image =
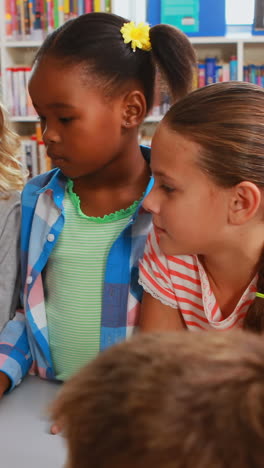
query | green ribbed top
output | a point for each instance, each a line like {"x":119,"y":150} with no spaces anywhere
{"x":74,"y":283}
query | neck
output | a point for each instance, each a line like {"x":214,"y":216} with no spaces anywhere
{"x":231,"y":269}
{"x":116,"y":186}
{"x":124,"y":169}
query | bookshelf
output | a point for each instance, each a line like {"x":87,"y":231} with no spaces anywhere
{"x":14,"y":53}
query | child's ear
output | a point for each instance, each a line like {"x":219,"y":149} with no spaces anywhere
{"x":244,"y":203}
{"x":134,"y":110}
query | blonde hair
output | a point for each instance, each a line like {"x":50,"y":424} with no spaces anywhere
{"x":11,"y":176}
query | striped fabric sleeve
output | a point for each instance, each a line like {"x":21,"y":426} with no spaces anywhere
{"x":154,"y":275}
{"x":15,"y":355}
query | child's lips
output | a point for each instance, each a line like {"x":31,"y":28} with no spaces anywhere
{"x":56,"y":158}
{"x":158,"y":229}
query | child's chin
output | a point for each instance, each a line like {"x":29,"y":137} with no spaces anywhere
{"x":171,"y":249}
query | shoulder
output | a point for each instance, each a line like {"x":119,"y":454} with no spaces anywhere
{"x":40,"y":181}
{"x":9,"y":203}
{"x":9,"y":212}
{"x":49,"y":180}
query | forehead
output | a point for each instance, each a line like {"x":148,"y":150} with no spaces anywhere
{"x":172,"y":151}
{"x":51,"y":79}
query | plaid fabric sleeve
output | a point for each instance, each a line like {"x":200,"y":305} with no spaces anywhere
{"x":15,"y":355}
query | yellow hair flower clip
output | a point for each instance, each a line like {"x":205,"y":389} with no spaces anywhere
{"x":138,"y":35}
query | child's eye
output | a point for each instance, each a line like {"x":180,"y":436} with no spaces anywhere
{"x":66,"y":119}
{"x":167,"y":188}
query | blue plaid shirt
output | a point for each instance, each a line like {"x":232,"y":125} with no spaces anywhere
{"x":24,"y":342}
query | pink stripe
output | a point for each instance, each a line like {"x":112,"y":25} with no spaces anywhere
{"x":190,"y":312}
{"x":188,"y":290}
{"x":194,"y":324}
{"x":179,"y":261}
{"x":188,"y":301}
{"x":156,"y":285}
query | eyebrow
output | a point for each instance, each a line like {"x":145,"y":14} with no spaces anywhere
{"x":162,"y":174}
{"x":58,"y":105}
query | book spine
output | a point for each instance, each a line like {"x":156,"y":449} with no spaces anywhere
{"x":96,"y":5}
{"x":80,"y":7}
{"x":108,"y":6}
{"x":201,"y":75}
{"x":30,"y":107}
{"x":66,"y":10}
{"x":8,"y":18}
{"x":61,"y":12}
{"x":252,"y":73}
{"x":210,"y":70}
{"x":27,"y":25}
{"x":56,"y":13}
{"x":88,"y":6}
{"x":21,"y":91}
{"x":262,"y":75}
{"x":219,"y":73}
{"x":20,"y":18}
{"x":13,"y":12}
{"x":226,"y":72}
{"x":233,"y":67}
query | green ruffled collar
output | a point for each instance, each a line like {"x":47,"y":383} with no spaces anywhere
{"x":117,"y":215}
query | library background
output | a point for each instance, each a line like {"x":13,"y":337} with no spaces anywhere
{"x":228,"y":36}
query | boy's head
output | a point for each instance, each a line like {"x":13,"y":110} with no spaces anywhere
{"x":169,"y":400}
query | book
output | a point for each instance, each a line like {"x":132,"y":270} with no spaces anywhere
{"x":201,"y":75}
{"x":233,"y":67}
{"x":88,"y":6}
{"x":210,"y":70}
{"x":97,"y":5}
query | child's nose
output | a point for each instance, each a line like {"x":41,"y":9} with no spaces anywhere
{"x":50,"y":135}
{"x":151,"y":202}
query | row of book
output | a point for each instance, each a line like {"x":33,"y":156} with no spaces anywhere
{"x":32,"y":154}
{"x":17,"y":99}
{"x":254,"y":74}
{"x":34,"y":19}
{"x":19,"y":104}
{"x":212,"y":71}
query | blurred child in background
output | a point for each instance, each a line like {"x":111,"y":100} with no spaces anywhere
{"x":168,"y":400}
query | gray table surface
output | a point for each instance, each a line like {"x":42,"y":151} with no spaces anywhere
{"x":25,"y":440}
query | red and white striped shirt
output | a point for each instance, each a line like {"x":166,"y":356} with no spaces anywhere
{"x":181,"y":282}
